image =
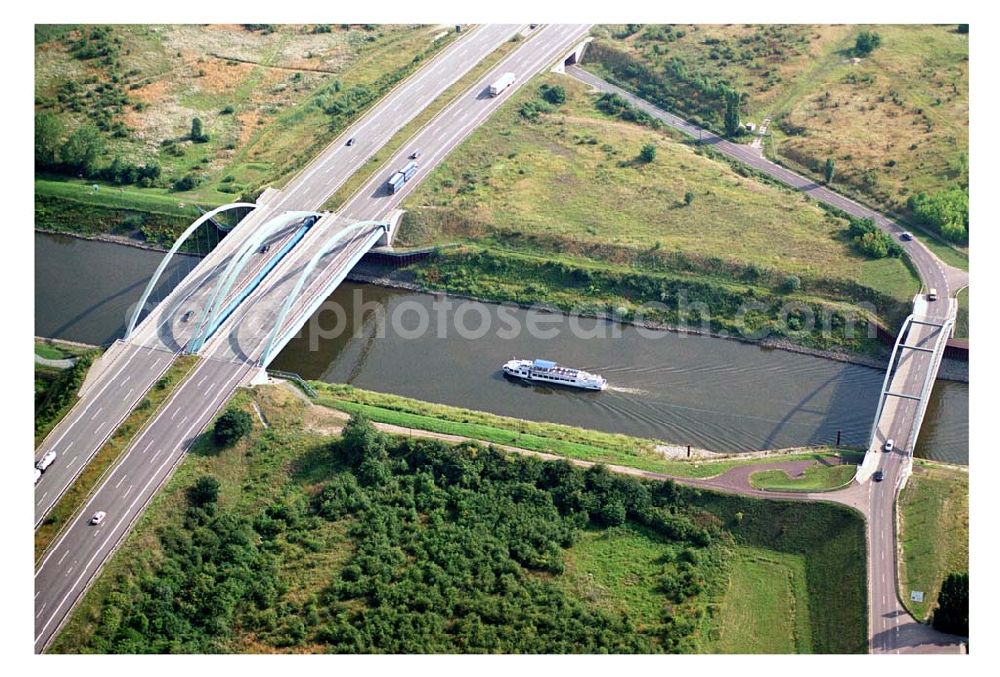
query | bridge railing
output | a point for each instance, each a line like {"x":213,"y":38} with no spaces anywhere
{"x":294,"y":378}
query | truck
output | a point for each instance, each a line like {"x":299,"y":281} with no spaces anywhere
{"x":45,"y":461}
{"x":396,"y":182}
{"x":501,"y":83}
{"x":408,"y":170}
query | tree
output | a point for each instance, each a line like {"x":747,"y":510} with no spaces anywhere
{"x":81,"y":150}
{"x":732,"y":112}
{"x":963,"y":29}
{"x":204,"y":491}
{"x":198,"y":134}
{"x":360,"y":440}
{"x":555,"y":95}
{"x":648,"y":153}
{"x":952,"y":613}
{"x":828,"y":169}
{"x":48,"y":138}
{"x":688,"y":197}
{"x":231,"y":427}
{"x":866,"y":42}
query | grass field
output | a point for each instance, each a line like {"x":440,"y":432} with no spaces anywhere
{"x":614,"y":571}
{"x":962,"y":322}
{"x":554,"y":438}
{"x":830,"y":608}
{"x":259,"y":91}
{"x":765,"y":609}
{"x":108,"y":455}
{"x":895,"y":122}
{"x":569,"y":183}
{"x":934,"y":532}
{"x":814,"y":478}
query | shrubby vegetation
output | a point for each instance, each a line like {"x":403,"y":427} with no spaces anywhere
{"x":454,"y":550}
{"x":868,"y":239}
{"x":59,"y":393}
{"x":706,"y":101}
{"x":744,"y":300}
{"x":81,"y":152}
{"x":231,"y":427}
{"x":866,"y":42}
{"x":945,"y":211}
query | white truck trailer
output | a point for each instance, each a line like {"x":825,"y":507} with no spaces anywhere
{"x":501,"y":83}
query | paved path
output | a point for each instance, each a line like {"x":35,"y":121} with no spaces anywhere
{"x":64,"y":363}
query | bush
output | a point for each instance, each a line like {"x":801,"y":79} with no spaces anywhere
{"x":204,"y":491}
{"x":554,"y":94}
{"x":790,"y":284}
{"x":231,"y":427}
{"x":648,"y":154}
{"x":866,"y":42}
{"x":187,"y":182}
{"x":688,"y":197}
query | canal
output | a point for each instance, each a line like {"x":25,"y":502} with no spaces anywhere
{"x":707,"y":392}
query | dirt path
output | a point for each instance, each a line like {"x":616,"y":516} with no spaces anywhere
{"x":734,"y":481}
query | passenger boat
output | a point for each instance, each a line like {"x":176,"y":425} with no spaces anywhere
{"x":545,"y":371}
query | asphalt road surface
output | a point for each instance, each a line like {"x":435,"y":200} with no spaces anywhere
{"x":891,"y":628}
{"x":77,"y":555}
{"x":947,"y":280}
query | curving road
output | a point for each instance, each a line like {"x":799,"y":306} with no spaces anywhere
{"x":891,"y":628}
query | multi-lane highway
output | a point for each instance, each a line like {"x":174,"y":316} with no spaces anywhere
{"x":229,"y":357}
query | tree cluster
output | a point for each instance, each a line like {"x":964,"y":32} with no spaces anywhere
{"x":946,"y":211}
{"x":869,"y":240}
{"x":452,"y":549}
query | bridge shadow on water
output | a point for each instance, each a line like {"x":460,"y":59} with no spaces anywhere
{"x":847,"y":396}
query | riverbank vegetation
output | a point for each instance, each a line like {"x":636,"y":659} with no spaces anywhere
{"x":106,"y":457}
{"x":579,"y":444}
{"x":56,"y":391}
{"x":198,"y":114}
{"x":562,"y":197}
{"x":299,"y":542}
{"x":891,"y":113}
{"x":934,"y":532}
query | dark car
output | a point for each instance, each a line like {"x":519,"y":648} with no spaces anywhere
{"x":414,"y":155}
{"x":906,"y":236}
{"x":879,"y":476}
{"x":350,"y":141}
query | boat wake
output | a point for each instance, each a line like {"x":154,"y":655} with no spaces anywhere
{"x":627,"y":391}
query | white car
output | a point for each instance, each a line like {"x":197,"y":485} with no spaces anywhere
{"x":46,"y":460}
{"x":889,"y":445}
{"x":38,"y":475}
{"x":98,"y":517}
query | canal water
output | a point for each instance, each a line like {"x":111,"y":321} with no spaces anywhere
{"x":712,"y":393}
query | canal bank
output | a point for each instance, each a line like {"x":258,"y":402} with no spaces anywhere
{"x":719,"y":394}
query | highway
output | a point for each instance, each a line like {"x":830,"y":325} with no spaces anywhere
{"x":231,"y":355}
{"x":77,"y":555}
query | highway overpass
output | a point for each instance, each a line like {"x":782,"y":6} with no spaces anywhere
{"x":270,"y":308}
